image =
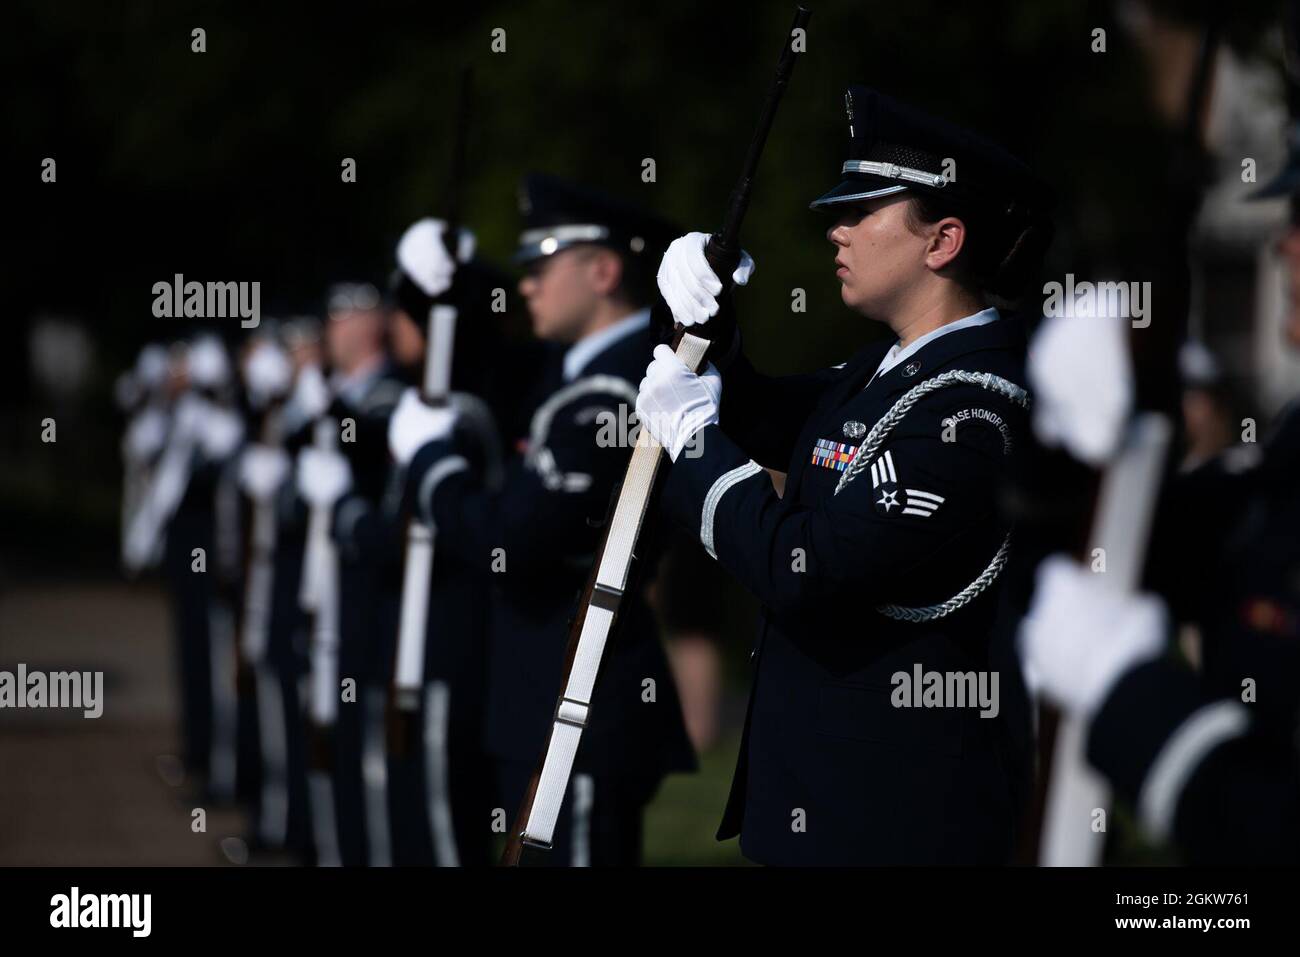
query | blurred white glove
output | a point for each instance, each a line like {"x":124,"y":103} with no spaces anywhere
{"x":220,"y":433}
{"x":689,"y":285}
{"x":422,"y":255}
{"x":187,"y":417}
{"x":323,"y":477}
{"x":1082,"y":381}
{"x":268,"y":374}
{"x":311,"y":394}
{"x":262,"y":470}
{"x":145,"y":436}
{"x":414,"y":425}
{"x":206,"y":363}
{"x":1081,"y":635}
{"x":673,"y":403}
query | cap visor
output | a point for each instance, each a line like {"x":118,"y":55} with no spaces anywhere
{"x":856,"y":190}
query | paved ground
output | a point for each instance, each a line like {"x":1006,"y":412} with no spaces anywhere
{"x":76,"y":791}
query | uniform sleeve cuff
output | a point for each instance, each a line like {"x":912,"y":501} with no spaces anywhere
{"x":427,"y":474}
{"x":696,"y":482}
{"x":1152,"y":735}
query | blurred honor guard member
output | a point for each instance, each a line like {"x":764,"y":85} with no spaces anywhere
{"x":589,"y":264}
{"x":1209,"y":763}
{"x":366,"y":389}
{"x":883,"y":555}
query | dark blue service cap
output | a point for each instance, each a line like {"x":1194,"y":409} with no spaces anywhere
{"x":558,"y":214}
{"x":895,"y":147}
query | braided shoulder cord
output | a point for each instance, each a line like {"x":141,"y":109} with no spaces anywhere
{"x":876,"y":438}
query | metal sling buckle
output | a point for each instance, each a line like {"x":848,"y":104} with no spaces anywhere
{"x":535,"y":842}
{"x":578,"y":720}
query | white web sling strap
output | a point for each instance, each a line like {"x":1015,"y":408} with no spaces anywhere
{"x":866,"y":454}
{"x":573,"y":709}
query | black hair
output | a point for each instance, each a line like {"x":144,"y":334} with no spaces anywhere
{"x":1003,"y":250}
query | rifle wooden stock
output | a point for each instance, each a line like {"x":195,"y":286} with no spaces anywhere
{"x":613,"y":571}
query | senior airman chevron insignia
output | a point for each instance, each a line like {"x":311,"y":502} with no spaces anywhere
{"x":833,"y":455}
{"x":884,"y":480}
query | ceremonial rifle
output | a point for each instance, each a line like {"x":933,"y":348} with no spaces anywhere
{"x":440,"y":334}
{"x":253,"y":675}
{"x":319,"y":597}
{"x":611,"y":574}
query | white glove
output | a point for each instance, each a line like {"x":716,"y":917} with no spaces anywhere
{"x":1081,"y":635}
{"x":145,"y":436}
{"x":188,"y":416}
{"x":268,"y":373}
{"x":1083,"y":384}
{"x":689,"y":285}
{"x":206,"y":363}
{"x":262,"y":470}
{"x":311,"y":394}
{"x":323,"y":477}
{"x":673,"y":403}
{"x":220,"y":433}
{"x":422,"y":255}
{"x":414,"y":425}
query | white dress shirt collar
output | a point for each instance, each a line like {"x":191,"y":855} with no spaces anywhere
{"x":896,"y":355}
{"x":586,"y":349}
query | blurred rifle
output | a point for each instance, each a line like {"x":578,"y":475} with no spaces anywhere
{"x":319,"y":597}
{"x":253,"y":676}
{"x":417,"y":576}
{"x":611,"y":573}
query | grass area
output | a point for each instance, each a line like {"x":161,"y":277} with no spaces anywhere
{"x":682,"y":819}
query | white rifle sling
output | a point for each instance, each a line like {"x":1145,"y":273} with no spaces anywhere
{"x":258,"y":590}
{"x":415,"y":614}
{"x":318,"y":527}
{"x":319,"y":594}
{"x":409,"y":677}
{"x":437,"y":361}
{"x":167,"y":487}
{"x":573,"y":708}
{"x":1125,"y":507}
{"x":325,"y":644}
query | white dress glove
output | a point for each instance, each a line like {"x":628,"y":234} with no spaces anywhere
{"x":187,"y":417}
{"x":1081,"y":635}
{"x":1083,"y":384}
{"x":206,"y":363}
{"x":422,"y":255}
{"x":414,"y":425}
{"x":220,"y":434}
{"x":145,"y":436}
{"x":262,"y":469}
{"x":689,"y":285}
{"x":268,"y":373}
{"x":323,"y":477}
{"x":673,"y":403}
{"x":311,"y":394}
